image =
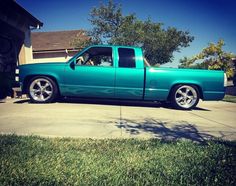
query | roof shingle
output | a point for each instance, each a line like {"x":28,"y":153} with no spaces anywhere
{"x":55,"y":40}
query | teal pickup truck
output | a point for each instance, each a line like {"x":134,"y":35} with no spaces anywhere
{"x":119,"y":72}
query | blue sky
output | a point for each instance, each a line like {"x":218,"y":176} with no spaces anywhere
{"x":207,"y":20}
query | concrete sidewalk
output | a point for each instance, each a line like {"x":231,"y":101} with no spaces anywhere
{"x":109,"y":119}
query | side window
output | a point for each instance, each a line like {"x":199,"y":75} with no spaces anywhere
{"x":96,"y":56}
{"x":126,"y":58}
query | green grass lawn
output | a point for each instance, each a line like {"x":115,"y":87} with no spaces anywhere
{"x":230,"y":98}
{"x":53,"y":161}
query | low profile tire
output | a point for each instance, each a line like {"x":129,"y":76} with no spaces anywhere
{"x":42,"y":89}
{"x":184,"y":97}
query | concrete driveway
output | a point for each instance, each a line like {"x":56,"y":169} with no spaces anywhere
{"x":109,"y":119}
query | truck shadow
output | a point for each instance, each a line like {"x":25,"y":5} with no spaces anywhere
{"x":111,"y":102}
{"x":166,"y":131}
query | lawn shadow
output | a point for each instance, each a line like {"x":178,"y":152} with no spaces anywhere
{"x":164,"y":130}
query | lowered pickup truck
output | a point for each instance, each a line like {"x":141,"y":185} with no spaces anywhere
{"x":119,"y":72}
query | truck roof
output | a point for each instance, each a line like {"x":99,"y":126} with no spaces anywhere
{"x":107,"y":45}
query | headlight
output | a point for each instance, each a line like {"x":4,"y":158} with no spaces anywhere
{"x":225,"y":80}
{"x":17,"y":71}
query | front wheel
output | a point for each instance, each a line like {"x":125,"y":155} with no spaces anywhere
{"x":184,"y":97}
{"x":42,"y":90}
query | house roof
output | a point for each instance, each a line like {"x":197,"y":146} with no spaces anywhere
{"x":10,"y":8}
{"x":57,"y":40}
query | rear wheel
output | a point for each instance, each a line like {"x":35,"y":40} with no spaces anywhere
{"x":42,"y":89}
{"x":185,"y":97}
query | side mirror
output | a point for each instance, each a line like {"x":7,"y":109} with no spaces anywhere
{"x":72,"y":65}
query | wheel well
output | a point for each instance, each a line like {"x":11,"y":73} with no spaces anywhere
{"x":198,"y":87}
{"x":28,"y":78}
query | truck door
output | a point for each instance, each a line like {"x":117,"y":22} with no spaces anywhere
{"x":129,"y":79}
{"x":92,"y":74}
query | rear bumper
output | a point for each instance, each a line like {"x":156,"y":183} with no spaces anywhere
{"x":213,"y":95}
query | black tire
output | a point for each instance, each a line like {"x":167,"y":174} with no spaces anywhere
{"x":183,"y":100}
{"x":47,"y":92}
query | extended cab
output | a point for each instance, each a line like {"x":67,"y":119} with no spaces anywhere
{"x":119,"y":72}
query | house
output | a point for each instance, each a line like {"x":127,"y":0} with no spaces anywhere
{"x":57,"y":46}
{"x":16,"y":24}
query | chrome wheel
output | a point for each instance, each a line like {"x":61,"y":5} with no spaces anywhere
{"x":41,"y":89}
{"x":186,"y":96}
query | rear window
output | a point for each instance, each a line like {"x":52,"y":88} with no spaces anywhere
{"x":126,"y":58}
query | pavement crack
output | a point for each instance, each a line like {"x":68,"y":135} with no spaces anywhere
{"x":120,"y":123}
{"x":212,"y":120}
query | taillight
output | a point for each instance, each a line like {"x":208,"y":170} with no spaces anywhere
{"x":225,"y":80}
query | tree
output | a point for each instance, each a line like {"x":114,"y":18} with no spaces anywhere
{"x":81,"y":40}
{"x":212,"y":57}
{"x":110,"y":26}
